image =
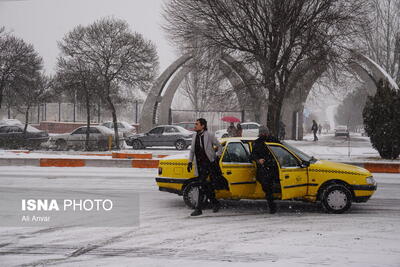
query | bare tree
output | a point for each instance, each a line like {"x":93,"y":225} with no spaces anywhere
{"x":201,"y":85}
{"x":16,"y":58}
{"x":117,"y":55}
{"x":382,"y":38}
{"x":77,"y":81}
{"x":275,"y":36}
{"x":31,"y":90}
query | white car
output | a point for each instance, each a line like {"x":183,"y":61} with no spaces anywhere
{"x":342,"y":130}
{"x":250,"y":129}
{"x":98,"y":138}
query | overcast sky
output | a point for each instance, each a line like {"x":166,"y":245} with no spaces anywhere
{"x":44,"y":22}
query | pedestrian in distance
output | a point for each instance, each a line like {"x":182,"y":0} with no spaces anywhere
{"x":204,"y":158}
{"x":319,"y":129}
{"x":267,"y":167}
{"x":314,"y":129}
{"x":231,"y":130}
{"x":282,"y":131}
{"x":239,"y":130}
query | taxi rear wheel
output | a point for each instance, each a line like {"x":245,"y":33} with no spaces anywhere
{"x":191,"y":195}
{"x":336,"y":198}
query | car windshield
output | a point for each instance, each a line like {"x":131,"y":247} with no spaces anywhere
{"x":303,"y":156}
{"x":182,"y":130}
{"x":32,"y":129}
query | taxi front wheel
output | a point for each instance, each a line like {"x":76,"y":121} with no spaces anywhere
{"x":336,"y":198}
{"x":191,"y":195}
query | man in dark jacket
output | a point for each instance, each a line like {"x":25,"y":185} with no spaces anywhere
{"x":267,"y":168}
{"x":203,"y":155}
{"x":314,"y":129}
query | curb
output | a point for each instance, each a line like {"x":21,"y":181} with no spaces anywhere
{"x":62,"y":163}
{"x":145,"y":163}
{"x":117,"y":155}
{"x":124,"y":160}
{"x":65,"y":162}
{"x":377,"y":167}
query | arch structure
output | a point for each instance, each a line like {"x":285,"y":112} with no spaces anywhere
{"x":157,"y":106}
{"x":368,"y":71}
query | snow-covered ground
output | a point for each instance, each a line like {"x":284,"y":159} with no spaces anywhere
{"x":241,"y":234}
{"x":329,"y":147}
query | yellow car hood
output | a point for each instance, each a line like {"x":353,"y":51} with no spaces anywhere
{"x":340,"y":167}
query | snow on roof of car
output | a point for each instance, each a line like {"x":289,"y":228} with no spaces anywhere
{"x":104,"y":129}
{"x":10,"y":122}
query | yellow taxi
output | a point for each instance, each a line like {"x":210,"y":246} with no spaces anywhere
{"x":301,"y":177}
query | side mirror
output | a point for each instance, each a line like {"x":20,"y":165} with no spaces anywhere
{"x":305,"y":164}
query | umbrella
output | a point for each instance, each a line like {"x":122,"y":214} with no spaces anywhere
{"x":230,"y":119}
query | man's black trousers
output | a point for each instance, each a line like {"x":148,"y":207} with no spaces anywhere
{"x":206,"y":169}
{"x":265,"y":176}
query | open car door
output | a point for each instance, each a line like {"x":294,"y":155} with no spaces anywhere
{"x":293,"y":177}
{"x":238,"y":169}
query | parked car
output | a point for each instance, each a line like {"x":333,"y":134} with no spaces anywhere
{"x":12,"y":136}
{"x":98,"y":139}
{"x":250,"y":129}
{"x":163,"y":135}
{"x":187,"y":125}
{"x":301,"y":177}
{"x":342,"y":130}
{"x":125,"y":128}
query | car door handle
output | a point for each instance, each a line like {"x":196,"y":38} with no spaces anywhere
{"x":286,"y":176}
{"x":228,"y":172}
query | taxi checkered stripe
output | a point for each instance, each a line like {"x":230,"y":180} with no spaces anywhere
{"x":173,"y":163}
{"x":333,"y":171}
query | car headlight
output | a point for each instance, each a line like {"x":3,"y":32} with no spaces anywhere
{"x":370,"y":180}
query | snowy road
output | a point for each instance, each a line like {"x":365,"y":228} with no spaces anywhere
{"x":241,"y":233}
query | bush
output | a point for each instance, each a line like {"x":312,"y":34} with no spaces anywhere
{"x":382,"y":121}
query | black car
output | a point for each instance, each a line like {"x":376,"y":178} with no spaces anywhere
{"x":12,"y":136}
{"x":163,"y":135}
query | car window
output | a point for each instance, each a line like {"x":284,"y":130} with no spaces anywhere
{"x":14,"y":129}
{"x":94,"y":130}
{"x":236,"y":152}
{"x":80,"y":131}
{"x":252,"y":126}
{"x":244,"y":126}
{"x":188,"y":126}
{"x":285,"y":158}
{"x":183,"y":130}
{"x":4,"y":129}
{"x":299,"y":153}
{"x":170,"y":129}
{"x":157,"y":130}
{"x":247,"y":147}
